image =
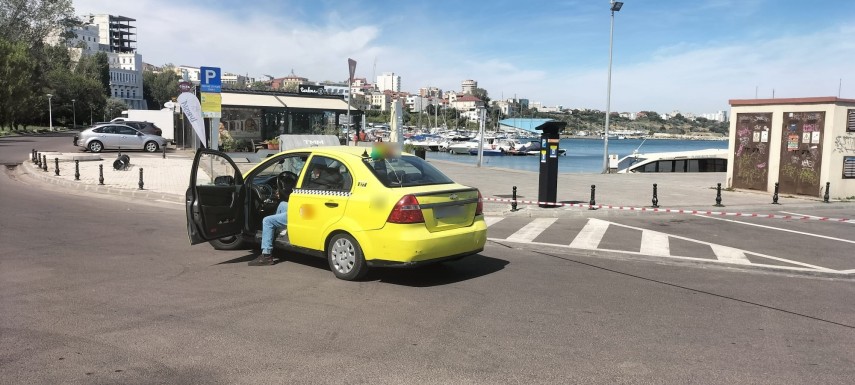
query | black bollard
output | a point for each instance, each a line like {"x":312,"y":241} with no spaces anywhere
{"x":141,"y":182}
{"x":775,"y":195}
{"x":44,"y":163}
{"x":718,"y":196}
{"x":593,"y":201}
{"x":514,"y":200}
{"x":827,"y":187}
{"x":655,"y":197}
{"x":101,"y":174}
{"x":33,"y":156}
{"x":56,"y":166}
{"x":39,"y":160}
{"x":77,"y":169}
{"x":164,"y":151}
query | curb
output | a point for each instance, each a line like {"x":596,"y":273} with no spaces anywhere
{"x":29,"y":168}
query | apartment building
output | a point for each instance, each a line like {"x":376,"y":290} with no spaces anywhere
{"x":115,"y":36}
{"x":433,"y":92}
{"x":389,"y":82}
{"x":468,"y":86}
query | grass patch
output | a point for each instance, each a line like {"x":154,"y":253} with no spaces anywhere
{"x":29,"y":130}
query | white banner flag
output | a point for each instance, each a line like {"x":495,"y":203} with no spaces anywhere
{"x":193,"y":109}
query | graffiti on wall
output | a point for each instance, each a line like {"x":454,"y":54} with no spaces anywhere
{"x":844,"y":144}
{"x":751,"y":153}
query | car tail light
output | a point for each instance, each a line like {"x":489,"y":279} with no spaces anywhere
{"x":479,"y":209}
{"x":407,"y":210}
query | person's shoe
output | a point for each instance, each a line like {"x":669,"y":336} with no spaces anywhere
{"x":262,"y":260}
{"x":283,"y":232}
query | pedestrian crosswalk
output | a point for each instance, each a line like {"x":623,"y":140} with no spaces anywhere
{"x":601,"y":235}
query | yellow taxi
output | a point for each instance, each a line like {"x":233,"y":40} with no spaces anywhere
{"x":357,"y":207}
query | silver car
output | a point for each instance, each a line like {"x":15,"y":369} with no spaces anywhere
{"x":119,"y":137}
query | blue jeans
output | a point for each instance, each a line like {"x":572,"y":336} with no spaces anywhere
{"x":270,"y":224}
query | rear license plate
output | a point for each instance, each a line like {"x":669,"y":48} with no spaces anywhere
{"x":447,"y":211}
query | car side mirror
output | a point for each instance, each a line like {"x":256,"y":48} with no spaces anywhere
{"x":224,"y":180}
{"x":139,"y":133}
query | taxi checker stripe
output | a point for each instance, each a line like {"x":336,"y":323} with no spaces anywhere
{"x":322,"y":192}
{"x":678,"y":211}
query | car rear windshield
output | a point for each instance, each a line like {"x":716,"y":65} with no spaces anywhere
{"x":405,"y":171}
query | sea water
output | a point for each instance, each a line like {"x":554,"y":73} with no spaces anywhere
{"x":584,"y":155}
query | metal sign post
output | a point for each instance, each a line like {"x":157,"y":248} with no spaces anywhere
{"x":351,"y":66}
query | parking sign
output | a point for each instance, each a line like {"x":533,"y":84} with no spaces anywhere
{"x":210,"y":81}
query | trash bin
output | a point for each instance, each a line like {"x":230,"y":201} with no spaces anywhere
{"x":420,"y":152}
{"x":548,"y":183}
{"x":122,"y":162}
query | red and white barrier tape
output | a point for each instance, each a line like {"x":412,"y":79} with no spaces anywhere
{"x":675,"y":211}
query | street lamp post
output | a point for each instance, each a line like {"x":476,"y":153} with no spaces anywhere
{"x":50,"y":112}
{"x":74,"y":111}
{"x":616,"y":5}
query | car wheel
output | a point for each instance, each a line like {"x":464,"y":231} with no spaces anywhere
{"x":95,"y":146}
{"x":228,"y":243}
{"x":151,"y":147}
{"x":345,"y":258}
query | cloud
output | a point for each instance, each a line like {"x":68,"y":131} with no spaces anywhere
{"x":693,"y":76}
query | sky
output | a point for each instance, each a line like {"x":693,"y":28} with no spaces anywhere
{"x":667,"y":55}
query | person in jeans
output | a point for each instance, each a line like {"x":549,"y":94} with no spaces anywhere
{"x":270,"y":224}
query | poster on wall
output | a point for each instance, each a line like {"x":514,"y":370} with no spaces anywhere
{"x":756,"y":137}
{"x":764,"y":136}
{"x":806,"y":137}
{"x":792,"y":142}
{"x":814,"y":137}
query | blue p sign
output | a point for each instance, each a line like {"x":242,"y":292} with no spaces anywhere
{"x":210,"y":81}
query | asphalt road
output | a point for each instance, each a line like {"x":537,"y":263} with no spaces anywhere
{"x":102,"y":289}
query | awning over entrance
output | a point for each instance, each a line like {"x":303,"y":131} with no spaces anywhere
{"x":279,"y":101}
{"x":314,"y":103}
{"x":251,"y":100}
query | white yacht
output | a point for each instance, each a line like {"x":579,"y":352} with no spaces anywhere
{"x":709,"y":160}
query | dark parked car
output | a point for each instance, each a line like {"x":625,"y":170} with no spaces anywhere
{"x":144,"y":127}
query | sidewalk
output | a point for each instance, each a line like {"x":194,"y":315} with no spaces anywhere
{"x":167,"y":179}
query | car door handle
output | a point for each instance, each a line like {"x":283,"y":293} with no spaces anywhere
{"x":331,"y":204}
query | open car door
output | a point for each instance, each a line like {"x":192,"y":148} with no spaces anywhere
{"x":214,"y":205}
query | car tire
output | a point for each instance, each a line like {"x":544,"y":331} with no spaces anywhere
{"x":95,"y":146}
{"x":345,"y":257}
{"x":234,"y":242}
{"x":151,"y":147}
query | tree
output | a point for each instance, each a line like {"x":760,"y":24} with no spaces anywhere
{"x":259,"y":86}
{"x":290,"y":87}
{"x":114,"y":107}
{"x":17,"y":69}
{"x":481,"y":93}
{"x":31,"y":21}
{"x":159,"y":88}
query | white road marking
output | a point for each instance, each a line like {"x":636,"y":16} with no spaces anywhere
{"x":813,"y":216}
{"x":729,"y":254}
{"x":778,"y":228}
{"x":591,"y":234}
{"x":812,"y":267}
{"x":530,"y":231}
{"x":707,"y":260}
{"x":492,"y":220}
{"x":172,"y":202}
{"x":655,"y":243}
